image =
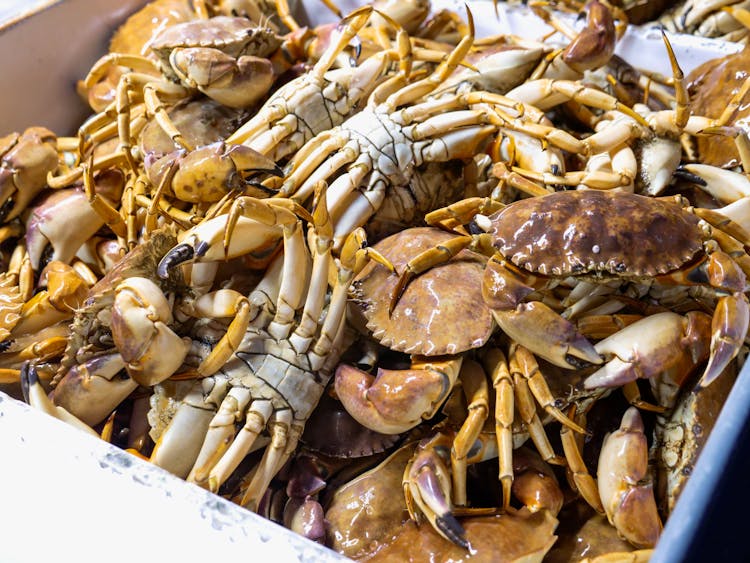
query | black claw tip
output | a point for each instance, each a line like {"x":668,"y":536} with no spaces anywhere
{"x":683,"y":174}
{"x":452,"y":529}
{"x":276,"y":171}
{"x":29,"y":377}
{"x":178,"y":255}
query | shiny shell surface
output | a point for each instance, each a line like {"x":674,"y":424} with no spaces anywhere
{"x":201,"y":122}
{"x":233,"y":36}
{"x":441,"y":311}
{"x":596,"y":233}
{"x":513,"y":537}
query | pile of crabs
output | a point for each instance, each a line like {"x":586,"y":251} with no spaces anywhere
{"x":384,"y":282}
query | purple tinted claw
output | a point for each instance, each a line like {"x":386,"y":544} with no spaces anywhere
{"x":452,"y":529}
{"x":427,"y":481}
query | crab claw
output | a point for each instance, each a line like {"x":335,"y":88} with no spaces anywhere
{"x":205,"y":242}
{"x":547,"y":334}
{"x":427,"y":485}
{"x":650,"y":346}
{"x":533,"y":324}
{"x":595,"y":45}
{"x":93,"y":389}
{"x":36,"y":397}
{"x":396,"y":400}
{"x":624,"y":484}
{"x":180,"y":254}
{"x":140,"y":319}
{"x":728,"y":330}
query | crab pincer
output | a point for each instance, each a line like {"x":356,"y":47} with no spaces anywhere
{"x":624,"y":485}
{"x":427,"y":486}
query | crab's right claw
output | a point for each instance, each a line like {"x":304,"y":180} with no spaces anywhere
{"x":396,"y":400}
{"x":427,"y":487}
{"x":205,"y":243}
{"x":595,"y":45}
{"x":180,"y":254}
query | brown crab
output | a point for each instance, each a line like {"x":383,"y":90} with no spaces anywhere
{"x":711,"y":85}
{"x":437,"y":324}
{"x":598,"y":237}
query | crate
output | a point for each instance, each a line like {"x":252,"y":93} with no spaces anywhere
{"x":68,"y":496}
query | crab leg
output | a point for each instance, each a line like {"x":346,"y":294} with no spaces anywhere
{"x":502,"y":381}
{"x":423,"y":87}
{"x":527,"y":366}
{"x":284,"y":438}
{"x":546,"y":93}
{"x":180,"y":444}
{"x":474,"y":384}
{"x":289,"y":106}
{"x":355,"y":254}
{"x":221,"y":304}
{"x":577,"y":470}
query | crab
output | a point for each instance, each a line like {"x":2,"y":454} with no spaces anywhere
{"x":25,"y":161}
{"x":604,"y":236}
{"x":710,"y":85}
{"x":215,"y":56}
{"x":707,"y":18}
{"x":373,"y":159}
{"x":272,"y":371}
{"x":680,"y":434}
{"x":363,"y":519}
{"x":323,"y":97}
{"x":437,"y":325}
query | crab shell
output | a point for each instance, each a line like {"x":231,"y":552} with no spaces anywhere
{"x":597,"y":234}
{"x":441,"y":311}
{"x":232,"y":36}
{"x":711,"y":86}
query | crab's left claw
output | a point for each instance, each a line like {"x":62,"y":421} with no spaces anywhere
{"x":650,"y":346}
{"x":427,"y":488}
